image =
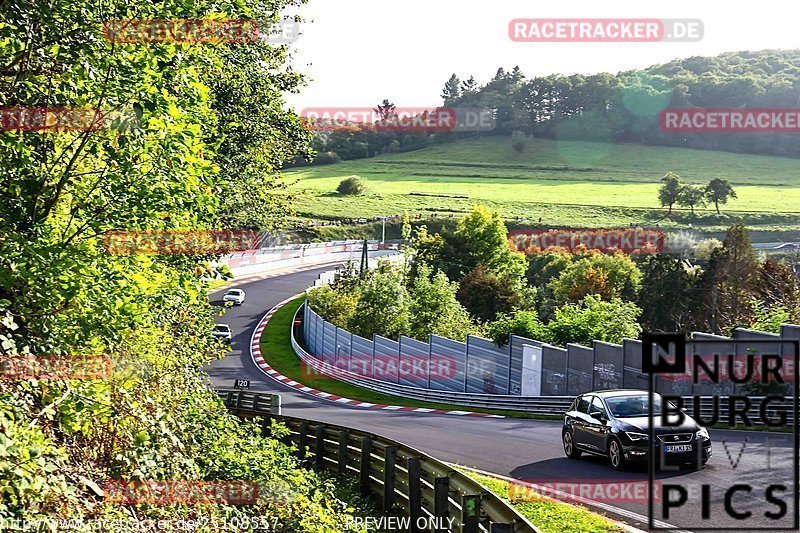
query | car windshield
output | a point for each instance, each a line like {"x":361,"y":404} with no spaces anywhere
{"x":632,"y":405}
{"x":222,"y":328}
{"x":235,"y":292}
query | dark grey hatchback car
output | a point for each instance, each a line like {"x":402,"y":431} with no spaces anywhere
{"x":614,"y":424}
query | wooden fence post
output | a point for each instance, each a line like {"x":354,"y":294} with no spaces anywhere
{"x":319,"y":450}
{"x":366,"y":464}
{"x":303,"y":444}
{"x":414,"y":492}
{"x":344,"y":436}
{"x":441,"y":507}
{"x":388,"y":477}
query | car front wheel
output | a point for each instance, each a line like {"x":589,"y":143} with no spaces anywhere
{"x":615,"y":456}
{"x":569,"y":446}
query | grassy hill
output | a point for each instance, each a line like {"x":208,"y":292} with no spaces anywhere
{"x":563,"y":182}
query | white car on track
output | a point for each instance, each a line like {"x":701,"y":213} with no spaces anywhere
{"x":234,"y":295}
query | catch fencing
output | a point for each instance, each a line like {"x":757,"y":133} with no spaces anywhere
{"x":479,"y":366}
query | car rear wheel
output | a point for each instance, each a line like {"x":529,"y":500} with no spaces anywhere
{"x":569,"y":446}
{"x":615,"y":455}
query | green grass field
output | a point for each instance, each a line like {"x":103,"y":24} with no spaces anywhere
{"x":563,"y":182}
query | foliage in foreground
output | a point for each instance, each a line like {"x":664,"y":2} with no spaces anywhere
{"x":196,"y":144}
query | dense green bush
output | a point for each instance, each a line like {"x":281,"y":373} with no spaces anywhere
{"x":605,"y":275}
{"x":594,"y":319}
{"x":589,"y":320}
{"x":327,"y":158}
{"x":522,"y":323}
{"x":352,"y":185}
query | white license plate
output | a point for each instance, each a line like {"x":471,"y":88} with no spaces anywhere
{"x":677,"y":448}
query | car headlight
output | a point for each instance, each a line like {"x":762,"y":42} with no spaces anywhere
{"x":702,"y":434}
{"x":636,"y":436}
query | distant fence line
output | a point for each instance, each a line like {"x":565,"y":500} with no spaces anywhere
{"x":278,"y":257}
{"x":479,"y":366}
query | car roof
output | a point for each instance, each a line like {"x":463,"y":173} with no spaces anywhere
{"x":608,"y":393}
{"x":235,"y":290}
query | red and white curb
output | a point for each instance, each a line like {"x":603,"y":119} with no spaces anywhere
{"x":258,"y":359}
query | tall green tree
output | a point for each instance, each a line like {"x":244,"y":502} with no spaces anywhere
{"x":451,"y":90}
{"x":434,"y":309}
{"x":719,"y":191}
{"x":730,"y":281}
{"x":669,"y":192}
{"x":383,"y":304}
{"x":486,"y":294}
{"x":667,"y":294}
{"x":469,"y":86}
{"x":385,"y":110}
{"x":692,"y":196}
{"x":483,"y":239}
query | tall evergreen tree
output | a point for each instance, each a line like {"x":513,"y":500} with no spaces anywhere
{"x":452,"y":89}
{"x":469,"y":86}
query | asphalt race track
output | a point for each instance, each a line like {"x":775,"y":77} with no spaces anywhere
{"x":531,"y":450}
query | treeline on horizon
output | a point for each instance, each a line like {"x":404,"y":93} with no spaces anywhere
{"x":623,"y":107}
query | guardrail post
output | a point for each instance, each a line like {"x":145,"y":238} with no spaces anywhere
{"x":275,"y":404}
{"x":319,"y":450}
{"x":238,"y":400}
{"x":344,"y":436}
{"x":414,"y":492}
{"x":441,"y":488}
{"x":265,"y":425}
{"x":388,"y":477}
{"x":303,"y":444}
{"x":366,"y":460}
{"x":466,"y":363}
{"x":228,"y":398}
{"x":470,"y":513}
{"x":256,"y":396}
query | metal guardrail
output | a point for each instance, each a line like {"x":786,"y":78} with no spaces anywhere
{"x":420,"y":486}
{"x":304,"y":246}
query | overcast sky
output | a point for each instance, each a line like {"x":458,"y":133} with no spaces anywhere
{"x":357,"y":52}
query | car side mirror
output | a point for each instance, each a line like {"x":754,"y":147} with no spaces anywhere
{"x":597,"y":415}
